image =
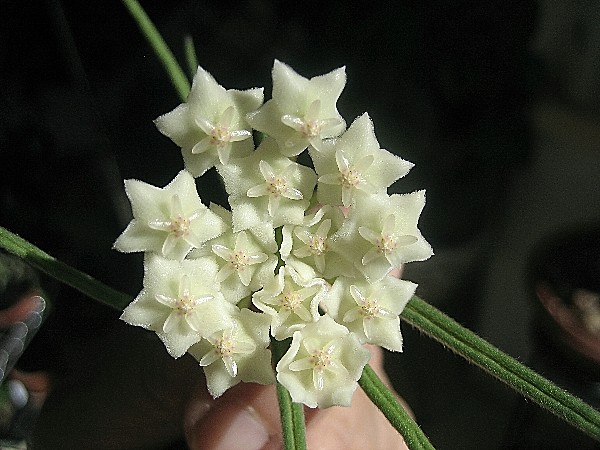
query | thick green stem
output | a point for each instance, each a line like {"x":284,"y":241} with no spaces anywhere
{"x":62,"y":272}
{"x":293,"y":427}
{"x":474,"y":349}
{"x":164,"y":54}
{"x":190,"y":55}
{"x":388,"y":404}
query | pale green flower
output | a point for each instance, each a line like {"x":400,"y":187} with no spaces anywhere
{"x":237,"y":353}
{"x":354,"y":165}
{"x":370,"y":310}
{"x":290,"y":301}
{"x":180,"y":301}
{"x":323,"y":364}
{"x":267,"y":187}
{"x":307,"y":247}
{"x":302,"y":112}
{"x":169,"y":221}
{"x":245,"y":262}
{"x":381,"y":234}
{"x":211,"y":125}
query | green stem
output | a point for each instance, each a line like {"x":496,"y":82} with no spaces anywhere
{"x":293,"y":427}
{"x":164,"y":54}
{"x":190,"y":55}
{"x":62,"y":272}
{"x":474,"y":349}
{"x":388,"y":404}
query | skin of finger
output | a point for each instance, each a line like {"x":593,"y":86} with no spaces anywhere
{"x":208,"y":430}
{"x":20,"y":310}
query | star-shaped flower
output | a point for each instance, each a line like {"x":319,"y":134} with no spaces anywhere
{"x":267,"y":187}
{"x":169,"y":221}
{"x":238,"y":353}
{"x":323,"y":364}
{"x":180,"y":301}
{"x":307,"y":247}
{"x":301,"y":112}
{"x":211,"y":125}
{"x":370,"y":310}
{"x":354,"y":165}
{"x":290,"y":300}
{"x":245,"y":261}
{"x":382,"y":234}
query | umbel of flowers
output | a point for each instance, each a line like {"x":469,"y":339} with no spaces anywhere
{"x":303,"y":252}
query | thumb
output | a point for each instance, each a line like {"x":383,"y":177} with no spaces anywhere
{"x":245,"y":417}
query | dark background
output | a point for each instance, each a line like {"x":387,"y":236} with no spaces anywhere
{"x":489,"y":99}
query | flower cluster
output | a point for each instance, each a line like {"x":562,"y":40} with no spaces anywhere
{"x":304,"y":252}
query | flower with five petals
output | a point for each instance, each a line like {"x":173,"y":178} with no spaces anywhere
{"x":211,"y":126}
{"x":301,"y":112}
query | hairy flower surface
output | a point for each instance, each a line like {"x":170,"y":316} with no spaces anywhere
{"x":302,"y":112}
{"x":323,"y":364}
{"x":245,"y":261}
{"x":382,"y":234}
{"x":354,"y":165}
{"x":237,"y":353}
{"x":267,"y":187}
{"x":290,"y":300}
{"x":371,"y":311}
{"x":169,"y":221}
{"x":307,"y":247}
{"x":180,"y":301}
{"x":211,"y":126}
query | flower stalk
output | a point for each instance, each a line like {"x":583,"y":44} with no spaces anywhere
{"x":164,"y":54}
{"x":388,"y":404}
{"x":293,"y":427}
{"x":476,"y":350}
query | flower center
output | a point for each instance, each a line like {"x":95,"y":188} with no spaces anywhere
{"x":179,"y":226}
{"x":350,"y":178}
{"x":320,"y":360}
{"x":291,"y":300}
{"x":310,"y":128}
{"x":239,"y":260}
{"x":317,"y":245}
{"x":185,"y":304}
{"x":277,"y":186}
{"x":224,"y":346}
{"x":370,"y":308}
{"x":386,"y":243}
{"x":220,"y":135}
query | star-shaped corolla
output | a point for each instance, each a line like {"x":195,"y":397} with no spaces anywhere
{"x":323,"y":364}
{"x":267,"y":187}
{"x":211,"y":126}
{"x":290,"y":301}
{"x":302,"y":112}
{"x":237,"y":353}
{"x":370,"y":310}
{"x":307,"y":247}
{"x":245,"y":261}
{"x":169,"y":221}
{"x":354,"y":165}
{"x":180,"y":301}
{"x":382,"y":234}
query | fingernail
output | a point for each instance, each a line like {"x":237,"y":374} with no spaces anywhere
{"x":246,"y":432}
